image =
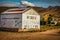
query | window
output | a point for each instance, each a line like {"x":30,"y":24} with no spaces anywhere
{"x":33,"y":26}
{"x":31,"y":17}
{"x":36,"y":26}
{"x":15,"y":20}
{"x":15,"y":24}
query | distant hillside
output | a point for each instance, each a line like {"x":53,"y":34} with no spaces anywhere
{"x":53,"y":10}
{"x":5,"y":8}
{"x":42,"y":11}
{"x":50,"y":10}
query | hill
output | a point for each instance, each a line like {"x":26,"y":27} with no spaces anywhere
{"x":42,"y":11}
{"x":53,"y":10}
{"x":2,"y":8}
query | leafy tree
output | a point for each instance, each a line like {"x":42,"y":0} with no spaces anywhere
{"x":42,"y":21}
{"x":50,"y":18}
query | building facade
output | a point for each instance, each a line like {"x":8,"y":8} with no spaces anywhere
{"x":23,"y":19}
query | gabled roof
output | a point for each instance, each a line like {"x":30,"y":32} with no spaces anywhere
{"x":15,"y":10}
{"x":21,"y":10}
{"x":2,"y":9}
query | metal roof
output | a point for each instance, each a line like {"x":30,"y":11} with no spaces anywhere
{"x":14,"y":10}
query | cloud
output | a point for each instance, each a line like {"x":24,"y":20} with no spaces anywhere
{"x":26,"y":3}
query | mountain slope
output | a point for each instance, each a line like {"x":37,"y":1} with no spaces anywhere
{"x":9,"y":4}
{"x":42,"y":11}
{"x":55,"y":11}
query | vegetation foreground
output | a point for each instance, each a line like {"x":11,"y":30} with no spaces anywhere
{"x":47,"y":35}
{"x":53,"y":34}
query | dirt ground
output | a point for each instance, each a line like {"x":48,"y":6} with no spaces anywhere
{"x":47,"y":35}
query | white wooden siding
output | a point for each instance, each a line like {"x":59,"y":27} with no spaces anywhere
{"x":11,"y":20}
{"x":30,"y":23}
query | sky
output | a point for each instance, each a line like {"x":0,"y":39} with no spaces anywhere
{"x":39,"y":3}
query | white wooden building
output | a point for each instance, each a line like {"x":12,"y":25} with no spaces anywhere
{"x":23,"y":19}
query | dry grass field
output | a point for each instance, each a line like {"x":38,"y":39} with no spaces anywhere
{"x":47,"y":35}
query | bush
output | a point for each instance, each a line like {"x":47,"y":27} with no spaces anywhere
{"x":50,"y":19}
{"x":42,"y":21}
{"x":58,"y":24}
{"x":46,"y":27}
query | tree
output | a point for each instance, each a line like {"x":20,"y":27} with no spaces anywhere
{"x":50,"y":18}
{"x":42,"y":21}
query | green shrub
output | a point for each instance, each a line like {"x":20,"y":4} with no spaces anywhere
{"x":58,"y":24}
{"x":46,"y":27}
{"x":42,"y":21}
{"x":50,"y":18}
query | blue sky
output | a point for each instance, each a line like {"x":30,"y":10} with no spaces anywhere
{"x":40,"y":3}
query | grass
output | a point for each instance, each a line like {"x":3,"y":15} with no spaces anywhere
{"x":46,"y":27}
{"x":30,"y":35}
{"x":42,"y":28}
{"x":27,"y":36}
